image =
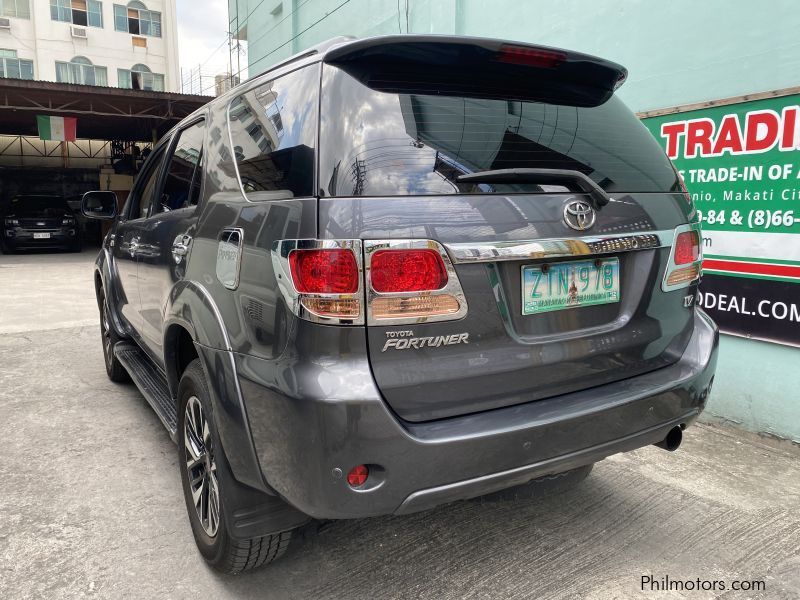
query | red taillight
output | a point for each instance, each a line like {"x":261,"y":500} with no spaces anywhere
{"x":393,"y":271}
{"x":406,"y":281}
{"x":531,"y":57}
{"x":324,"y":271}
{"x":358,"y":475}
{"x":687,"y":248}
{"x":686,"y":257}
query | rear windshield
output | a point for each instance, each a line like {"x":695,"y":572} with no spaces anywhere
{"x":408,"y":141}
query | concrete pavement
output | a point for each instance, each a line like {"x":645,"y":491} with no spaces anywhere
{"x":91,"y":505}
{"x":46,"y":290}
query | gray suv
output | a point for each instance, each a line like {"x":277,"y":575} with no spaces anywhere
{"x":397,"y":272}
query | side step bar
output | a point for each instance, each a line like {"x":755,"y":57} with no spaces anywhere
{"x":151,"y":383}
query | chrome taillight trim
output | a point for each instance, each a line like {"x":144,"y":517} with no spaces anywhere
{"x":452,"y":288}
{"x":591,"y":245}
{"x":672,"y":267}
{"x":293,"y":298}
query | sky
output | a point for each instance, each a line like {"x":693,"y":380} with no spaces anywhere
{"x":202,"y":40}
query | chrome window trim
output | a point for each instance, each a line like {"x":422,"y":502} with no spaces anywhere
{"x":591,"y":245}
{"x":452,"y":288}
{"x":283,"y":276}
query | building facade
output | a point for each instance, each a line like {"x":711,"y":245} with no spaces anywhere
{"x":224,"y":82}
{"x":106,"y":43}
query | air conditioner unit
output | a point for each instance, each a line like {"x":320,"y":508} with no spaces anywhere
{"x":78,"y":32}
{"x":5,"y":23}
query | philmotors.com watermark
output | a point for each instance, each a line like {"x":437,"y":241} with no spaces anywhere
{"x":666,"y":583}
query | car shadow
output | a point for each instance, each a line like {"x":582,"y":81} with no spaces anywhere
{"x":474,"y":547}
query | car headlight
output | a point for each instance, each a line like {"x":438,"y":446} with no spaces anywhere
{"x":68,"y":221}
{"x":12,"y":222}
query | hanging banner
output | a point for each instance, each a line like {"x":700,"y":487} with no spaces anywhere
{"x":60,"y":129}
{"x":741,"y":164}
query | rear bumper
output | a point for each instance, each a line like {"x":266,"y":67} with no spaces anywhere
{"x":313,"y":422}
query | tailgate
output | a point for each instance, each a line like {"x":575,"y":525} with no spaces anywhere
{"x":509,"y":357}
{"x":458,"y":142}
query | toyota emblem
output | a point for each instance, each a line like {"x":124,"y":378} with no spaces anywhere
{"x":579,"y":215}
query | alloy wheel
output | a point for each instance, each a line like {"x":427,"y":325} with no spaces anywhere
{"x":107,"y":348}
{"x":201,"y":468}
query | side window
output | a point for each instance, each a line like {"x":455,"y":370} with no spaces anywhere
{"x":273,"y":128}
{"x":144,"y":191}
{"x":182,"y":183}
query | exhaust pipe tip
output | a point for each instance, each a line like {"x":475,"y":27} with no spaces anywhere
{"x":673,"y":440}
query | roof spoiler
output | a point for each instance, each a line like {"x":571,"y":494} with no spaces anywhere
{"x":480,"y":56}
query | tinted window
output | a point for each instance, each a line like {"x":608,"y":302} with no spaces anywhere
{"x":410,"y":141}
{"x":182,"y":183}
{"x":273,"y":128}
{"x":143,"y":194}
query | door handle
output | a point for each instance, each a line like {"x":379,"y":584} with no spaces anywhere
{"x":180,"y":247}
{"x":133,"y":245}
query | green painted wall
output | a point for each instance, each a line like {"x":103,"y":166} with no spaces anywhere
{"x":676,"y":52}
{"x":756,"y":387}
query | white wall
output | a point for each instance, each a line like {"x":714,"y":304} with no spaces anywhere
{"x":46,"y":41}
{"x":33,"y":152}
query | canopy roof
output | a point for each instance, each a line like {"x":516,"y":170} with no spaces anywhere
{"x":103,"y":113}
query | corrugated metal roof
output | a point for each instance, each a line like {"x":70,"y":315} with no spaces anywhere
{"x":103,"y":113}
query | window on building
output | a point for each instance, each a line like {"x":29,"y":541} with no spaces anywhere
{"x":12,"y":67}
{"x":136,"y":19}
{"x":80,"y":70}
{"x":140,"y":77}
{"x":77,"y":12}
{"x":15,"y":8}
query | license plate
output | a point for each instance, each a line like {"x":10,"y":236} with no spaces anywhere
{"x":41,"y":236}
{"x":558,"y":286}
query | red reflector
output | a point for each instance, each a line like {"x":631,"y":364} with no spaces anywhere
{"x":532,"y":57}
{"x":407,"y":271}
{"x":324,"y":271}
{"x":687,"y":248}
{"x":357,"y":475}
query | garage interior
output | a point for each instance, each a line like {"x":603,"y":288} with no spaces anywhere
{"x":115,"y":130}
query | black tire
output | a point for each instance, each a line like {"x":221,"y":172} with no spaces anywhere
{"x":217,"y":547}
{"x":114,"y":369}
{"x":543,"y":486}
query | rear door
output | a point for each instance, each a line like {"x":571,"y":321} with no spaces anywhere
{"x":563,"y":291}
{"x":166,"y":234}
{"x":127,"y":239}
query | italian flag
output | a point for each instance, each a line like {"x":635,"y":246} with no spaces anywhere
{"x":60,"y":129}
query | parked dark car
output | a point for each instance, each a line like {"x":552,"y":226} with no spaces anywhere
{"x":40,"y":221}
{"x":397,"y":272}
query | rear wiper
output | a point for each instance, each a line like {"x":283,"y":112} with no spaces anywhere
{"x":547,"y":176}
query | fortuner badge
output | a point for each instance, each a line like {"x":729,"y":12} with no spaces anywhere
{"x":403,"y":340}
